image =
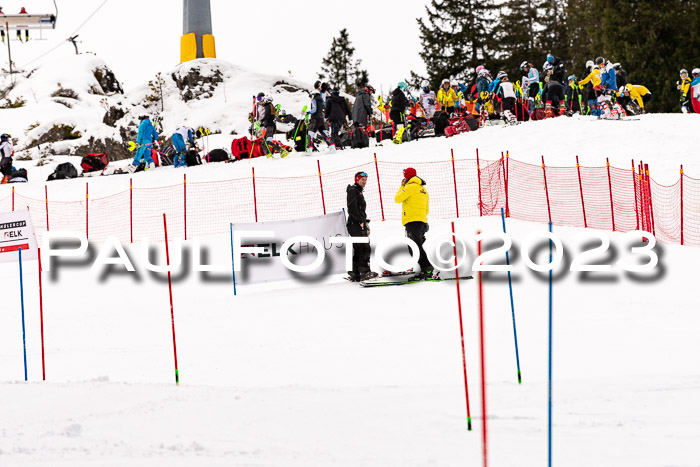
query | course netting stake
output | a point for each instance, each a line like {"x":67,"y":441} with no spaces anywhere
{"x":21,"y":295}
{"x":546,"y":190}
{"x":255,"y":198}
{"x":46,"y":199}
{"x":320,"y":181}
{"x":612,"y":208}
{"x":41,"y":318}
{"x":461,"y":332}
{"x":379,"y":185}
{"x":87,"y":218}
{"x":512,"y":303}
{"x":681,"y":204}
{"x":634,"y":184}
{"x":454,"y":179}
{"x":478,"y":174}
{"x":580,"y":187}
{"x":170,"y":291}
{"x":131,"y":210}
{"x":651,"y":203}
{"x":233,"y":264}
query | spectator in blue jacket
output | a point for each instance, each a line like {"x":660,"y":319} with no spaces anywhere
{"x":146,"y":138}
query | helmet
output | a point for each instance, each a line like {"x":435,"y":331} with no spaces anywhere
{"x":261,"y":95}
{"x":483,"y":72}
{"x":268,"y":100}
{"x":590,"y":64}
{"x":571,"y":78}
{"x":403,"y":86}
{"x":696,"y":71}
{"x":317,"y":84}
{"x":425,"y":84}
{"x":524,"y":65}
{"x":445,"y":81}
{"x":600,"y":61}
{"x":684,"y":71}
{"x":335,"y":91}
{"x":622,"y":89}
{"x":479,"y":68}
{"x":501,"y":74}
{"x":550,"y":58}
{"x":454,"y":83}
{"x":616,"y":66}
{"x":325,"y":87}
{"x":547,"y":66}
{"x":370,"y":89}
{"x":4,"y":137}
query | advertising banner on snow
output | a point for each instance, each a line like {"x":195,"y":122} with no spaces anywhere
{"x":17,"y":231}
{"x":267,"y":265}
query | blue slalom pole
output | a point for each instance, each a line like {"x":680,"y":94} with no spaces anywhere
{"x":233,"y":267}
{"x":550,"y":355}
{"x":512,"y":304}
{"x":21,"y":294}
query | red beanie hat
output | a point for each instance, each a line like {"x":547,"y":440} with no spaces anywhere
{"x":409,"y":173}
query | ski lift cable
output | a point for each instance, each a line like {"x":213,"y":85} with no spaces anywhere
{"x":71,"y":35}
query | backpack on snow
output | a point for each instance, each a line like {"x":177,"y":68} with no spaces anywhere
{"x":298,"y":135}
{"x":94,"y":162}
{"x":441,"y":121}
{"x":385,"y":133}
{"x":217,"y":155}
{"x":359,"y":138}
{"x":18,"y":176}
{"x":167,"y":157}
{"x":192,"y":158}
{"x":243,"y":148}
{"x":63,"y":171}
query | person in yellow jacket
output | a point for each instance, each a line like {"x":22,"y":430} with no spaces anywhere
{"x":415,"y":201}
{"x":684,"y":87}
{"x":593,"y":77}
{"x":447,"y":97}
{"x":638,"y":93}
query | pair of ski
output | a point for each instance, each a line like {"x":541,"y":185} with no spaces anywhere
{"x":403,"y":278}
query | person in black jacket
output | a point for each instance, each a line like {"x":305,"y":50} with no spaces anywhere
{"x":399,"y":103}
{"x":337,"y":112}
{"x":558,"y":69}
{"x":358,"y":226}
{"x":621,"y":75}
{"x":573,"y":96}
{"x":317,"y":124}
{"x":362,"y":109}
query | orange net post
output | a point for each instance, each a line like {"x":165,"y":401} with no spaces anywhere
{"x":612,"y":205}
{"x":320,"y":181}
{"x":580,"y":187}
{"x":255,"y":198}
{"x":681,"y":179}
{"x":454,"y":179}
{"x":478,"y":172}
{"x":379,"y":185}
{"x":634,"y":184}
{"x":546,"y":190}
{"x":46,"y":199}
{"x":651,"y":199}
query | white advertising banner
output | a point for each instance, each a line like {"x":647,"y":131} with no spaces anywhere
{"x":17,"y":231}
{"x":267,"y":265}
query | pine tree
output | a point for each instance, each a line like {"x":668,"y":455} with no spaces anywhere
{"x":341,"y":69}
{"x":515,"y":34}
{"x":553,"y":36}
{"x":456,"y":38}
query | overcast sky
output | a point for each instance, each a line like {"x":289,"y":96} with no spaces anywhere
{"x":139,"y":38}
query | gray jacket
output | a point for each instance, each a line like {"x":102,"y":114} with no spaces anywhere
{"x":5,"y":151}
{"x":362,"y":108}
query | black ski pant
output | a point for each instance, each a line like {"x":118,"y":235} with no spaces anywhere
{"x":6,"y":166}
{"x":396,"y":117}
{"x":416,"y":232}
{"x":360,"y":251}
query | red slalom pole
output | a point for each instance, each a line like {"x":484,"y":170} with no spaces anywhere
{"x":87,"y":231}
{"x":483,"y":359}
{"x":681,"y":204}
{"x":41,"y":319}
{"x":379,"y":184}
{"x":580,"y":187}
{"x":634,"y":184}
{"x":461,"y":332}
{"x":170,"y":291}
{"x":612,"y":209}
{"x":546,"y":191}
{"x":478,"y":174}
